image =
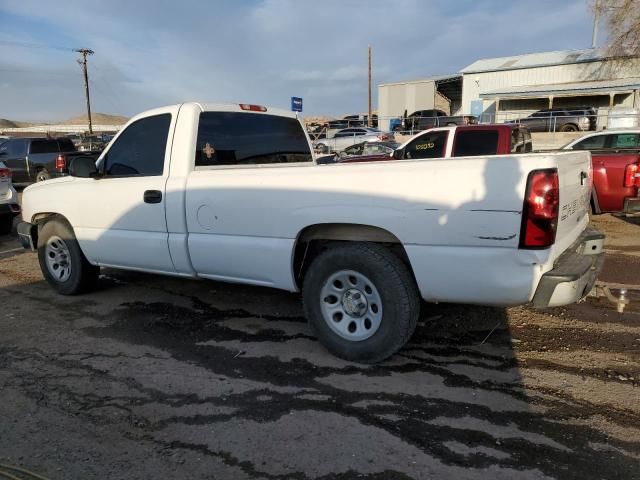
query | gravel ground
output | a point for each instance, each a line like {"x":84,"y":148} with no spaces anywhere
{"x":154,"y":377}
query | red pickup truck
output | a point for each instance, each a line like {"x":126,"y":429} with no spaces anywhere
{"x":615,"y":156}
{"x":458,"y":141}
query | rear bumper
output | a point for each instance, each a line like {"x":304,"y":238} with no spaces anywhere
{"x":631,"y":205}
{"x":9,"y":209}
{"x":574,"y":273}
{"x":28,"y":235}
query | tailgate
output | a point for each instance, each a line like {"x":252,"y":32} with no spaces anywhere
{"x":575,"y":176}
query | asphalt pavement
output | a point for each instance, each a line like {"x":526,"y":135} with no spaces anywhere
{"x":156,"y":377}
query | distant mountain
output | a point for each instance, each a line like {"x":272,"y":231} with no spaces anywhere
{"x":97,"y":119}
{"x":4,"y":123}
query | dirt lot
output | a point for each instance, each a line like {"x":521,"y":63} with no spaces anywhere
{"x":154,"y":377}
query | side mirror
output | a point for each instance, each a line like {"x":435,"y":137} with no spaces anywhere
{"x":83,"y":167}
{"x":398,"y":154}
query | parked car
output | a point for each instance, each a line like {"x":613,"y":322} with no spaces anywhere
{"x":609,"y":140}
{"x":37,"y":159}
{"x":464,"y":141}
{"x":425,"y":119}
{"x":349,"y":136}
{"x":9,"y":207}
{"x":615,"y":156}
{"x":560,"y":119}
{"x":367,"y":149}
{"x":364,"y":243}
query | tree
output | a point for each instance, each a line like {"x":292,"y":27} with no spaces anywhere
{"x":622,"y":19}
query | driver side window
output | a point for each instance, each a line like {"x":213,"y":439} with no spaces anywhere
{"x":140,"y":149}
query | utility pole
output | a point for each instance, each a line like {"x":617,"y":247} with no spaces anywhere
{"x":370,"y":118}
{"x":83,"y":62}
{"x":594,"y":34}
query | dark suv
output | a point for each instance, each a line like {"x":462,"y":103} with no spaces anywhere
{"x":561,"y":119}
{"x":37,"y":159}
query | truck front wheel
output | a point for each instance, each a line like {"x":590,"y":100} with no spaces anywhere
{"x":361,"y":301}
{"x":62,"y":262}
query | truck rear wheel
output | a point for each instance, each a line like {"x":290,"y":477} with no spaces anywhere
{"x":42,"y":175}
{"x":62,"y":262}
{"x":361,"y":301}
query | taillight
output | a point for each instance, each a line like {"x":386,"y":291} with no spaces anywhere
{"x":540,"y":211}
{"x":632,"y":175}
{"x":5,"y":173}
{"x":253,"y":108}
{"x":60,"y":162}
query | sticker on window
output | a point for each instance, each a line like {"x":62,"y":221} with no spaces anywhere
{"x":208,"y":150}
{"x":425,"y":146}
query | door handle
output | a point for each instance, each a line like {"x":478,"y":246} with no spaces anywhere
{"x":152,"y":196}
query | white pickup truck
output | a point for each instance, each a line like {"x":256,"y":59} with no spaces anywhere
{"x":232,"y":193}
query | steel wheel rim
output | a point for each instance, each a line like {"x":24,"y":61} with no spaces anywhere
{"x":351,"y":305}
{"x":41,"y":177}
{"x":58,"y":258}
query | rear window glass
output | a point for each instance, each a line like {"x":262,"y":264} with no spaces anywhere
{"x":66,"y":145}
{"x":44,"y":146}
{"x":235,"y":138}
{"x":626,"y":140}
{"x":471,"y":143}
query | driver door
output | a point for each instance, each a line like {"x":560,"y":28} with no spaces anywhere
{"x":124,"y":223}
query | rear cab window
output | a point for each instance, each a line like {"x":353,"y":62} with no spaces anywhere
{"x":469,"y":143}
{"x":66,"y":145}
{"x":44,"y":146}
{"x":242,"y":138}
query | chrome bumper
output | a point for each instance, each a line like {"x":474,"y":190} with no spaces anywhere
{"x":574,"y":273}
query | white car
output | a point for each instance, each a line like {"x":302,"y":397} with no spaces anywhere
{"x":9,"y":207}
{"x":231,"y":193}
{"x":350,"y":136}
{"x":607,"y":140}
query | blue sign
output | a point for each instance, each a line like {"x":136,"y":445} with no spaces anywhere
{"x":477,"y":107}
{"x":296,"y":104}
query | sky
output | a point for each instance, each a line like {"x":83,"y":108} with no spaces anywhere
{"x":154,"y":53}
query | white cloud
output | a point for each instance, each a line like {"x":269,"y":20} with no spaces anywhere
{"x":153,"y":53}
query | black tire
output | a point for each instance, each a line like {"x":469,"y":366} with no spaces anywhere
{"x":569,"y":127}
{"x":42,"y":175}
{"x":6,"y":224}
{"x":397,"y":289}
{"x":83,"y":276}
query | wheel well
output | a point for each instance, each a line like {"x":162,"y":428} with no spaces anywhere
{"x":314,"y":239}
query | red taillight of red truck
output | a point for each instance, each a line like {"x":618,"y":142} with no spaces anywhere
{"x":632,"y":175}
{"x":540,"y":210}
{"x":5,"y":173}
{"x":60,"y":163}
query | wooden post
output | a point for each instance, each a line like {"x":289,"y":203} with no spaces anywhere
{"x":369,"y":118}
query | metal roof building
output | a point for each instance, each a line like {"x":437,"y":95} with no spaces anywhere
{"x":442,"y":92}
{"x":507,"y":87}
